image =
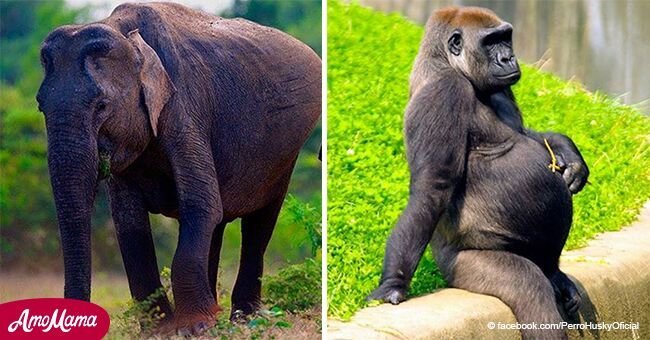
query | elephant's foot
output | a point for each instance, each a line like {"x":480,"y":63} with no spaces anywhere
{"x":164,"y":327}
{"x":162,"y":311}
{"x":188,"y":323}
{"x":242,"y":311}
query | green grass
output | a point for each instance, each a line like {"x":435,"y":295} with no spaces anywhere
{"x":369,"y":61}
{"x":292,"y":297}
{"x":291,"y":292}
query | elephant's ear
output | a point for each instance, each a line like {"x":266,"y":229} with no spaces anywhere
{"x":156,"y":84}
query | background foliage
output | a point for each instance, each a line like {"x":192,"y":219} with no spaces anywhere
{"x":369,"y":60}
{"x":302,"y":19}
{"x":28,"y":229}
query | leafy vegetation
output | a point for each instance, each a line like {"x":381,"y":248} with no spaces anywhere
{"x":302,"y":19}
{"x":295,"y":289}
{"x":27,"y":214}
{"x":137,"y":319}
{"x":369,"y":61}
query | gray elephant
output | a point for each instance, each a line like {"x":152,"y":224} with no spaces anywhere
{"x":185,"y":114}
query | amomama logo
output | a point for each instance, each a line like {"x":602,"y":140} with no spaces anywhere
{"x":51,"y":318}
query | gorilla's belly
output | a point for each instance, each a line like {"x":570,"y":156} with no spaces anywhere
{"x":512,"y":200}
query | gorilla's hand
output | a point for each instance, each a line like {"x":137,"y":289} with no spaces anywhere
{"x":388,"y":293}
{"x":575,"y":175}
{"x":573,"y":167}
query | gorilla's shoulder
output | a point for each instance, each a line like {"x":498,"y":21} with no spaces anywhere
{"x":447,"y":84}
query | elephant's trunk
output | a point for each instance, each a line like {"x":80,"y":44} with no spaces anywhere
{"x":73,"y":162}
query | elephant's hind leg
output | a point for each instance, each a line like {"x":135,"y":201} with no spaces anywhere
{"x":256,"y":232}
{"x":213,"y":261}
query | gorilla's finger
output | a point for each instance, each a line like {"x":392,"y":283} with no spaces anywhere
{"x":568,"y":175}
{"x":572,"y":305}
{"x":560,"y":160}
{"x":577,"y":185}
{"x":575,"y":176}
{"x":395,"y":297}
{"x":580,"y":170}
{"x":387,"y":294}
{"x":572,"y":300}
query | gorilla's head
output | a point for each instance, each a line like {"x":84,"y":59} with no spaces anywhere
{"x":476,"y":43}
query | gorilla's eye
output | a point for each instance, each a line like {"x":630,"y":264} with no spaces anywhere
{"x":455,"y":43}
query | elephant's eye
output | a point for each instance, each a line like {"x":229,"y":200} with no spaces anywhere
{"x":101,"y":106}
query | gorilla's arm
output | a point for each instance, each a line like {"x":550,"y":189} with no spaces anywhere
{"x":574,"y":168}
{"x":436,"y":141}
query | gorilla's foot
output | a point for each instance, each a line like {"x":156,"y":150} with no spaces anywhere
{"x":566,"y":293}
{"x":388,"y":293}
{"x":194,"y":323}
{"x":572,"y":303}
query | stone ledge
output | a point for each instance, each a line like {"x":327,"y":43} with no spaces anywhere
{"x":612,"y":272}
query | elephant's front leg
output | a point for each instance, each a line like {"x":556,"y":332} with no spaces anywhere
{"x":200,"y":211}
{"x":136,"y":244}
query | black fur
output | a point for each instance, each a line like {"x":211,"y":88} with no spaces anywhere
{"x":481,"y":189}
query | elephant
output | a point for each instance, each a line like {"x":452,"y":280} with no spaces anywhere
{"x":183,"y":114}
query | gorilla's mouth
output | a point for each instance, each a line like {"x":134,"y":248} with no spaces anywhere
{"x":508,"y":76}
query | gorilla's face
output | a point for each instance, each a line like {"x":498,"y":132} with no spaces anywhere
{"x":497,"y":46}
{"x":484,"y":56}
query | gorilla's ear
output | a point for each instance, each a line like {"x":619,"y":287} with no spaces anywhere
{"x":155,"y":82}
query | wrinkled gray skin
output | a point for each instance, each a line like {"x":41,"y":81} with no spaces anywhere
{"x":198,"y":118}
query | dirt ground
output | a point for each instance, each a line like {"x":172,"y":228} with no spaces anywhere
{"x":111,"y":291}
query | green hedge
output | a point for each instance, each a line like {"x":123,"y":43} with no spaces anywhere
{"x":369,"y":61}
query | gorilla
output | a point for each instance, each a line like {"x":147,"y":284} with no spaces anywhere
{"x":493,"y":198}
